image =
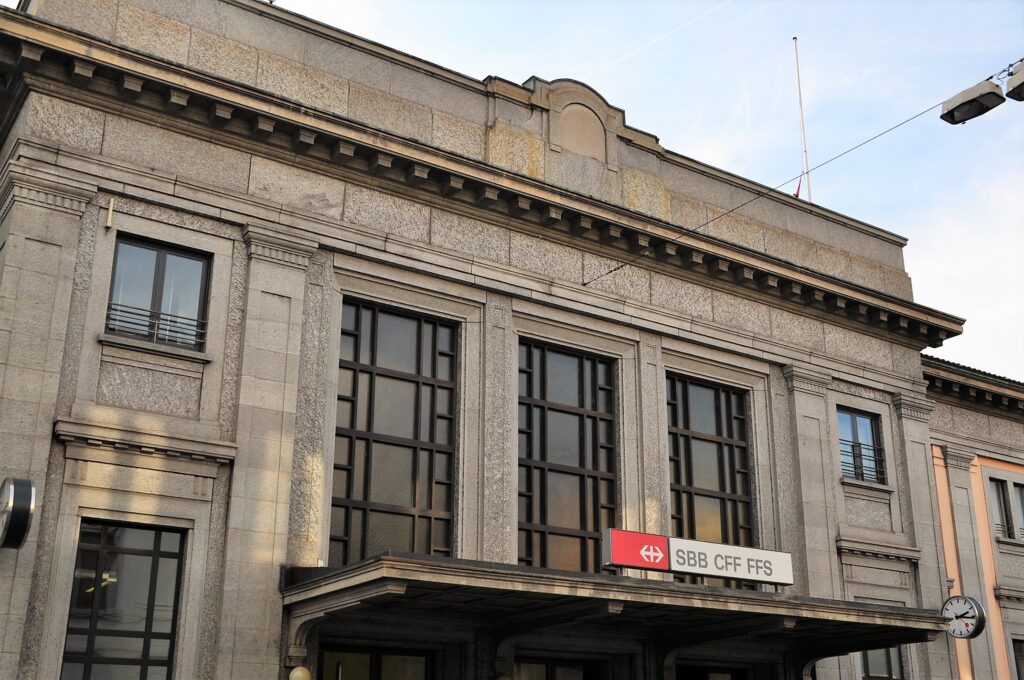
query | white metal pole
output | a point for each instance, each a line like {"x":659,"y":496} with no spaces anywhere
{"x":803,"y":129}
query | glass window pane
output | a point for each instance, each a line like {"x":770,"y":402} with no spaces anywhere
{"x":123,"y":592}
{"x":72,"y":671}
{"x":83,"y":590}
{"x":563,"y":379}
{"x":110,"y":647}
{"x":706,"y":465}
{"x":845,"y":426}
{"x":565,"y":552}
{"x":397,"y":338}
{"x":563,"y":438}
{"x":563,"y":500}
{"x":156,"y":673}
{"x":159,"y":649}
{"x":392,"y":474}
{"x":531,"y":671}
{"x":394,"y":407}
{"x":703,"y":416}
{"x":875,"y":662}
{"x":166,"y":594}
{"x":865,"y":435}
{"x":131,"y":537}
{"x":394,"y":667}
{"x":388,"y":531}
{"x":569,"y":673}
{"x":348,"y":317}
{"x":119,"y":672}
{"x":133,"y":276}
{"x":183,"y":281}
{"x":76,"y":644}
{"x":170,"y":541}
{"x":707,"y":519}
{"x":346,"y":666}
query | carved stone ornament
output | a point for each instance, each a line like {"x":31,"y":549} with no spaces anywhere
{"x":801,"y":379}
{"x":957,"y":457}
{"x":274,"y":246}
{"x":911,"y":407}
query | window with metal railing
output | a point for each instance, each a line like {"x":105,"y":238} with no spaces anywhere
{"x":860,"y":446}
{"x":1002,"y":514}
{"x":158,"y":293}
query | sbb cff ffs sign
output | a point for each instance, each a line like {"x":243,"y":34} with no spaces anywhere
{"x":665,"y":553}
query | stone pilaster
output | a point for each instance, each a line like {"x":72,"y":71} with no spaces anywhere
{"x":816,"y":473}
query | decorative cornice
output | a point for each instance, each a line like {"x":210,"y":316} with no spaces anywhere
{"x":133,"y":441}
{"x":253,"y":117}
{"x":957,"y":457}
{"x":850,"y":546}
{"x":272,"y":245}
{"x":1012,"y":596}
{"x":971,"y":387}
{"x":21,"y":184}
{"x":911,"y":407}
{"x":802,"y":379}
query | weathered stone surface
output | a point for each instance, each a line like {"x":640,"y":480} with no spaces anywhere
{"x":388,"y":213}
{"x":171,"y":152}
{"x":222,"y":57}
{"x":354,"y":65}
{"x":971,"y":423}
{"x":797,"y":329}
{"x":790,"y":247}
{"x":735,"y":229}
{"x":467,"y":235}
{"x":645,"y":193}
{"x":831,"y":261}
{"x":438,"y":94}
{"x":297,"y":187}
{"x":152,"y":34}
{"x":609,"y":275}
{"x":898,"y":283}
{"x":1006,"y":431}
{"x":515,"y":149}
{"x":547,"y":258}
{"x":585,"y":175}
{"x":297,"y":81}
{"x":146,"y":389}
{"x":95,"y":17}
{"x":391,"y":113}
{"x":906,"y":361}
{"x":941,"y":417}
{"x":687,"y":212}
{"x":849,"y":344}
{"x":737,"y":312}
{"x":458,"y":134}
{"x":67,"y":124}
{"x":872,"y":514}
{"x":681,"y":296}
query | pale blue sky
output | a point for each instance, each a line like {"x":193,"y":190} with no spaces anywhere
{"x":715,"y":81}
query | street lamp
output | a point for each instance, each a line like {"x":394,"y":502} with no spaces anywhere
{"x":985,"y":96}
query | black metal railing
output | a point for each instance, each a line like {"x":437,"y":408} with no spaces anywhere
{"x":865,"y":463}
{"x":157,"y":326}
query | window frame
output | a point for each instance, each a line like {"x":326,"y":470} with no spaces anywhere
{"x":162,"y":249}
{"x":377,"y":655}
{"x":101,"y":548}
{"x":893,"y":662}
{"x":354,"y":434}
{"x":591,"y":552}
{"x":881,"y":475}
{"x":680,"y":452}
{"x":1002,"y":508}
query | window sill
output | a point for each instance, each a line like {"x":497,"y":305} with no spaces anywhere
{"x":869,"y":486}
{"x":1013,"y":546}
{"x":154,"y":348}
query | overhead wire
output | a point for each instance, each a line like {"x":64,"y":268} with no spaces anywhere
{"x":764,"y":193}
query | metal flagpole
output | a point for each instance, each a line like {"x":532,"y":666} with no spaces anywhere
{"x":803,"y":129}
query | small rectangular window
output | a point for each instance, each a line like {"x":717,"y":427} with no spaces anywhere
{"x":124,"y":602}
{"x":375,"y":664}
{"x":394,"y":443}
{"x":860,"y":446}
{"x":158,"y":293}
{"x":1018,"y":657}
{"x":1002,"y":515}
{"x":883,"y":664}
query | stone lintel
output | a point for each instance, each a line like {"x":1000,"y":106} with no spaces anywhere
{"x":913,"y":407}
{"x":958,"y":457}
{"x":900,"y":553}
{"x":281,"y":247}
{"x":147,"y":443}
{"x":803,"y":379}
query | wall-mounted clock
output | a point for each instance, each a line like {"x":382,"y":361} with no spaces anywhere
{"x":965,"y":617}
{"x":17,"y":504}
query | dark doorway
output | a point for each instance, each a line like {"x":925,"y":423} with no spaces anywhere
{"x":688,"y":672}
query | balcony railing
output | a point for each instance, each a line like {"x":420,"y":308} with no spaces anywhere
{"x":862,"y":462}
{"x":156,"y":326}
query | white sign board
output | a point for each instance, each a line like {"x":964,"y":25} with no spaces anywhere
{"x":664,"y":553}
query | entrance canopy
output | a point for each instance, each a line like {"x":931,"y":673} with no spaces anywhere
{"x":508,"y":601}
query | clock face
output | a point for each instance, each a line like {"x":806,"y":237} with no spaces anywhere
{"x":965,"y":617}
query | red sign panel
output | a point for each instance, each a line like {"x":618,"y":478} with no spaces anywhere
{"x":633,"y":549}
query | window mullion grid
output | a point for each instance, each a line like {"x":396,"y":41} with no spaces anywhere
{"x":150,"y":610}
{"x":158,"y":293}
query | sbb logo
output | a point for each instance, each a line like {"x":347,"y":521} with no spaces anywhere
{"x":633,"y":549}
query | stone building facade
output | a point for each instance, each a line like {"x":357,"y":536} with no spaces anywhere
{"x":322,"y":356}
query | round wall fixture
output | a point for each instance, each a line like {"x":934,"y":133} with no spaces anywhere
{"x":17,"y":504}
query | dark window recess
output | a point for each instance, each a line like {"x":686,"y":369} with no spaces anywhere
{"x":124,"y":603}
{"x":1018,"y":657}
{"x":709,"y":466}
{"x":567,"y":452}
{"x":158,"y":293}
{"x":883,"y":664}
{"x":395,"y":437}
{"x":1002,"y":514}
{"x":543,"y":669}
{"x":374,"y":664}
{"x":860,"y":447}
